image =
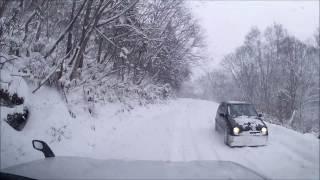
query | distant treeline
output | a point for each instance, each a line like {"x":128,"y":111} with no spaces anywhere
{"x":274,"y":70}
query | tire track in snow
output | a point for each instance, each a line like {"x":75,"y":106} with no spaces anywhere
{"x":175,"y":151}
{"x":198,"y":132}
{"x":205,"y":133}
{"x":180,"y":146}
{"x":183,"y":145}
{"x":191,"y":133}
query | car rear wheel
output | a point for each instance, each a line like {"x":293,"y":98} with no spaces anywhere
{"x":226,"y":137}
{"x":215,"y":126}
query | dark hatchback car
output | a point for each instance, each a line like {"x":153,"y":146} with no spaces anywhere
{"x":241,"y":124}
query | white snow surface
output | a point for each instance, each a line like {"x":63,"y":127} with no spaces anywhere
{"x":242,"y":120}
{"x":178,"y":130}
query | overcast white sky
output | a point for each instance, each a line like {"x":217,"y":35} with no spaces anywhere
{"x":227,"y":22}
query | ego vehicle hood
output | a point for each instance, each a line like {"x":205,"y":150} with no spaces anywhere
{"x":87,"y":168}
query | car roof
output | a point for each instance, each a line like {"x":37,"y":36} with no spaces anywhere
{"x":236,"y":102}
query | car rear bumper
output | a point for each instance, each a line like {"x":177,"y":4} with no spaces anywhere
{"x":248,"y":140}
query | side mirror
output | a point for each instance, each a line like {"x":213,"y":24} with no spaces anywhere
{"x":259,"y":115}
{"x":43,"y":147}
{"x":222,"y":114}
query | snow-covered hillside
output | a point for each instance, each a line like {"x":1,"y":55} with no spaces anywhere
{"x":178,"y":130}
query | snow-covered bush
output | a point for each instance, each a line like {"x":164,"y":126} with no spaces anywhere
{"x":18,"y":119}
{"x":113,"y":91}
{"x":7,"y":99}
{"x":13,"y":109}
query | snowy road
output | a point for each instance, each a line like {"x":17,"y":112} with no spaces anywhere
{"x":184,"y":131}
{"x":180,"y":130}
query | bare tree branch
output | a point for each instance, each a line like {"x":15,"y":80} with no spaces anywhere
{"x":65,"y":31}
{"x":118,"y":15}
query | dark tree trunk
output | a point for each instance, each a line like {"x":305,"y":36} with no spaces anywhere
{"x":99,"y":50}
{"x":69,"y":41}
